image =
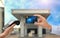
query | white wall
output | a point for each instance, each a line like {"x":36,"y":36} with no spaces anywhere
{"x":1,"y":3}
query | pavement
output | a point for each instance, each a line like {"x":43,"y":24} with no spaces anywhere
{"x":45,"y":36}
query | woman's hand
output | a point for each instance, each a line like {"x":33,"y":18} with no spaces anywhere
{"x":7,"y":31}
{"x":41,"y":21}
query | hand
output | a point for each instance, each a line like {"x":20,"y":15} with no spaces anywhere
{"x":7,"y":31}
{"x":41,"y":21}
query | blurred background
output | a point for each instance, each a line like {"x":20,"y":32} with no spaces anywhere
{"x":53,"y":5}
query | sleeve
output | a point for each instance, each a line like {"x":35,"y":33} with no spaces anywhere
{"x":55,"y":30}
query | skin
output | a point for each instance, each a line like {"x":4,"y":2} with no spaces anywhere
{"x":42,"y":22}
{"x":7,"y":31}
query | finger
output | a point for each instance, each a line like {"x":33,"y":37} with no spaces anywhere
{"x":36,"y":23}
{"x":40,"y":16}
{"x":39,"y":20}
{"x":39,"y":24}
{"x":13,"y":25}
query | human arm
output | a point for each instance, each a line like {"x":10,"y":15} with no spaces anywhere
{"x":7,"y":31}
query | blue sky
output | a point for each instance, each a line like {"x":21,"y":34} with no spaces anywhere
{"x":53,"y":5}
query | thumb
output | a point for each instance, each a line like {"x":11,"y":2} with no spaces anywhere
{"x":38,"y":24}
